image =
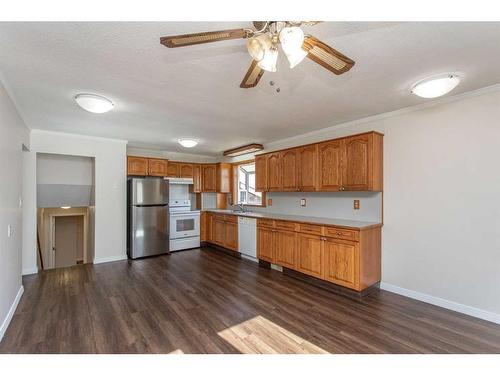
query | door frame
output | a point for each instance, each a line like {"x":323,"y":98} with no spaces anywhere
{"x":50,"y":226}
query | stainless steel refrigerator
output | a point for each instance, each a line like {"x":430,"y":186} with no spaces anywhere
{"x":147,"y":217}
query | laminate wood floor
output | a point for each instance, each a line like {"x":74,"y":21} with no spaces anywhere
{"x":204,"y":301}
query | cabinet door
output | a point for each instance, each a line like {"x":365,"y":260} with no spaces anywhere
{"x":329,"y":170}
{"x":137,"y":166}
{"x":157,"y":167}
{"x":223,"y":183}
{"x":356,"y":165}
{"x":219,"y":231}
{"x":231,"y":237}
{"x":208,"y":178}
{"x":307,"y":158}
{"x":265,"y":244}
{"x":274,"y":172}
{"x":173,"y":169}
{"x":309,"y":257}
{"x":209,"y":228}
{"x":289,"y":169}
{"x":340,"y":262}
{"x":203,"y":226}
{"x":286,"y":249}
{"x":186,"y":170}
{"x":196,"y":178}
{"x":261,"y":172}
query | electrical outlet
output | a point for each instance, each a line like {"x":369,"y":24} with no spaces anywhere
{"x":269,"y":202}
{"x":356,"y":204}
{"x":303,"y":202}
{"x":9,"y":230}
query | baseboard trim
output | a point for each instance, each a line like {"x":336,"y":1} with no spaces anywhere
{"x":441,"y":302}
{"x":10,"y":314}
{"x":29,"y":271}
{"x":110,"y":259}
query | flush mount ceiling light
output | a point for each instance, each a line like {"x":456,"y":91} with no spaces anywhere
{"x":187,"y":142}
{"x":65,"y":207}
{"x":94,"y":103}
{"x":436,"y":86}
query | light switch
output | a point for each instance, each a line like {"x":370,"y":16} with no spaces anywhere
{"x":356,"y":204}
{"x":303,"y":202}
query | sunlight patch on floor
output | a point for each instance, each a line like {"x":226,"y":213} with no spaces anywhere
{"x":260,"y":335}
{"x":176,"y":351}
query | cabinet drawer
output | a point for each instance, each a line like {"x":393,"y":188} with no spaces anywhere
{"x":311,"y":229}
{"x":286,"y":225}
{"x":231,"y":218}
{"x":345,"y":234}
{"x":265,"y":223}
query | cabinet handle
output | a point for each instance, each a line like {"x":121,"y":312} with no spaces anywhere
{"x":339,"y":234}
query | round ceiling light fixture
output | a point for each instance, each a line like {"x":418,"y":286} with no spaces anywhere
{"x":187,"y":142}
{"x":94,"y":103}
{"x":436,"y":86}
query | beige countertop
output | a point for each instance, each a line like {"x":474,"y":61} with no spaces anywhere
{"x":352,"y":224}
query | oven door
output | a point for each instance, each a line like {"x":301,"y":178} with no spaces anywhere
{"x":184,"y":225}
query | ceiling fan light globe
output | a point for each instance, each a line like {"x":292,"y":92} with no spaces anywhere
{"x":269,"y":61}
{"x":296,"y":57}
{"x":258,"y":45}
{"x":291,"y":38}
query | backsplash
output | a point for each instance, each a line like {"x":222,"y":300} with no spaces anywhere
{"x":330,"y":205}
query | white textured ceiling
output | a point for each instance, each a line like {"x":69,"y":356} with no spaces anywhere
{"x":163,"y":94}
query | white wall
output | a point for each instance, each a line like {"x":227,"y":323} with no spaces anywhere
{"x":13,"y":133}
{"x":64,"y":170}
{"x":441,"y":234}
{"x":110,"y":185}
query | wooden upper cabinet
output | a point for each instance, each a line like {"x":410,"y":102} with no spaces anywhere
{"x":261,"y":173}
{"x":289,"y":170}
{"x":330,"y":166}
{"x":137,"y":166}
{"x":186,"y":170}
{"x":209,"y":178}
{"x":307,"y":159}
{"x":309,"y":254}
{"x":274,"y":171}
{"x":362,"y":162}
{"x":157,"y":167}
{"x":286,"y":249}
{"x":223,"y":181}
{"x":197,"y":178}
{"x":341,"y":264}
{"x":173,"y":169}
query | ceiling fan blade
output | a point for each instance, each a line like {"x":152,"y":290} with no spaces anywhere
{"x":200,"y":38}
{"x":326,"y":56}
{"x":252,"y":77}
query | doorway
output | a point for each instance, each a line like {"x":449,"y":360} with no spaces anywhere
{"x":68,"y":240}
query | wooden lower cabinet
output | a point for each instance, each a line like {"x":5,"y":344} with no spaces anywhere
{"x":222,"y":230}
{"x":219,"y":231}
{"x":286,"y":248}
{"x":309,"y":254}
{"x":347,"y":257}
{"x":265,"y":243}
{"x":341,"y":262}
{"x":231,"y":236}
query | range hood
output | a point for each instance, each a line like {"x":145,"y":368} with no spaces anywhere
{"x":179,"y":181}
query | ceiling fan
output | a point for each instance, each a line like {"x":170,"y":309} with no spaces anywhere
{"x":262,"y":45}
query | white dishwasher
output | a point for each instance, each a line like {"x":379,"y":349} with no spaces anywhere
{"x":247,"y":237}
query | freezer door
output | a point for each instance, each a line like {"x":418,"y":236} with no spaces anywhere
{"x":149,"y":232}
{"x":149,"y":191}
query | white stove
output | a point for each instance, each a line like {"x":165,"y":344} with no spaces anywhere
{"x":184,"y":225}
